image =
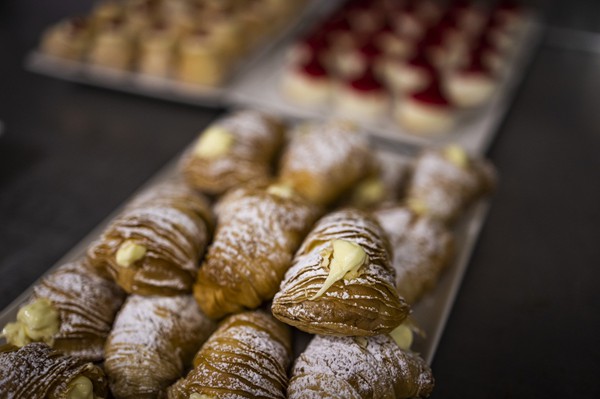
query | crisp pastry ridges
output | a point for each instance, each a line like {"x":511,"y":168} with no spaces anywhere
{"x":152,"y":341}
{"x":367,"y":304}
{"x":173,"y":229}
{"x":422,"y":248}
{"x":247,"y":357}
{"x":257,"y":137}
{"x":253,"y":247}
{"x":38,"y":371}
{"x":358,"y":367}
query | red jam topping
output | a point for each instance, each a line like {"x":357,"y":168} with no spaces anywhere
{"x":475,"y":65}
{"x":432,"y":95}
{"x":366,"y":83}
{"x":419,"y":60}
{"x":370,"y":50}
{"x":313,"y":68}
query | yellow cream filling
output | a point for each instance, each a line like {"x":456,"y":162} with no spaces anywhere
{"x":417,"y":206}
{"x":129,"y":252}
{"x":281,"y":190}
{"x":214,"y":143}
{"x":403,"y":336}
{"x":369,"y":191}
{"x":37,"y":321}
{"x":80,"y":388}
{"x":456,"y":155}
{"x":344,"y":259}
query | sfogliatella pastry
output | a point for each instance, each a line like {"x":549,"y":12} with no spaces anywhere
{"x":322,"y":161}
{"x":422,"y":248}
{"x":37,"y":371}
{"x":247,"y":357}
{"x":72,"y":310}
{"x":357,"y":368}
{"x":152,"y":342}
{"x":384,"y":183}
{"x":156,"y":50}
{"x":444,"y":182}
{"x":236,"y":149}
{"x":67,"y":39}
{"x":154,"y":246}
{"x":258,"y":232}
{"x":112,"y":46}
{"x":342,"y":280}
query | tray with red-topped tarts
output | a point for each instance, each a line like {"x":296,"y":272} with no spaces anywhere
{"x":413,"y":72}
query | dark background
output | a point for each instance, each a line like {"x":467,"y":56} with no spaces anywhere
{"x":526,"y":321}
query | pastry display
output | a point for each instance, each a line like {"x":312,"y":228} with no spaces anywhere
{"x":237,"y":149}
{"x":357,"y":368}
{"x":37,"y":371}
{"x":386,"y":233}
{"x":152,"y":342}
{"x":194,"y":41}
{"x":308,"y":82}
{"x":67,"y":39}
{"x":444,"y":182}
{"x":407,"y":47}
{"x":72,"y":310}
{"x":423,"y":247}
{"x":322,"y":161}
{"x":258,"y":232}
{"x":247,"y":357}
{"x":427,"y":111}
{"x":154,"y":246}
{"x":364,"y":97}
{"x":342,"y":281}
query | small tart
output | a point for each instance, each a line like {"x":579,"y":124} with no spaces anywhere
{"x":362,"y":97}
{"x":471,"y":85}
{"x":426,"y":111}
{"x":307,"y":83}
{"x":408,"y":75}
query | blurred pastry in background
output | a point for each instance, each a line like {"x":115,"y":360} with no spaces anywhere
{"x":68,"y":39}
{"x":237,"y":149}
{"x":427,"y":111}
{"x":112,"y":46}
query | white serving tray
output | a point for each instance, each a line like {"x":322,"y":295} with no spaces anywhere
{"x":166,"y":88}
{"x":430,"y":313}
{"x":260,"y":88}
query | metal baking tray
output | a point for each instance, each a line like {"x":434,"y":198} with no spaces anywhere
{"x":260,"y":88}
{"x":430,"y":314}
{"x":167,"y":88}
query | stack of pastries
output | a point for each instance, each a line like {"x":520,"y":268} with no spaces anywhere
{"x":195,"y":289}
{"x":420,"y":62}
{"x":195,"y":41}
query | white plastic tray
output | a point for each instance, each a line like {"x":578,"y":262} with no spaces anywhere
{"x":166,"y":88}
{"x":260,"y":88}
{"x":430,"y":314}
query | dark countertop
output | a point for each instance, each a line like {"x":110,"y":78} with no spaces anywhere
{"x":524,"y":323}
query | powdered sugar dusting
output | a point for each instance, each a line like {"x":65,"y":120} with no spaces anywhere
{"x":445,"y":188}
{"x":247,"y":357}
{"x":365,"y":305}
{"x":422,"y":247}
{"x":363,"y":367}
{"x":152,"y":340}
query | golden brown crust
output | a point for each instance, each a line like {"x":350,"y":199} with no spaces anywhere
{"x":86,"y":304}
{"x":247,"y":357}
{"x":357,"y":368}
{"x":37,"y":371}
{"x":152,"y":342}
{"x":257,"y":235}
{"x":256,"y":139}
{"x":367,"y":304}
{"x":323,"y":161}
{"x":444,"y":189}
{"x":422,"y":249}
{"x":173,"y":223}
